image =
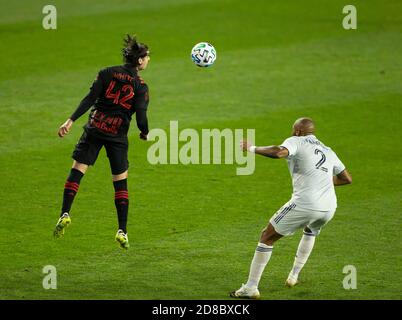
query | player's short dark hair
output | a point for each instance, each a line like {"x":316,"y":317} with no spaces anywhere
{"x":133,"y":50}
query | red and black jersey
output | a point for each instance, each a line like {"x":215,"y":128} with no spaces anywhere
{"x":116,"y":94}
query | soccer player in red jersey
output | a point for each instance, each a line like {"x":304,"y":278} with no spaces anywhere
{"x":116,"y":94}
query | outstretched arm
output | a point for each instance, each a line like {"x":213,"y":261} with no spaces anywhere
{"x":342,"y":178}
{"x":83,"y":107}
{"x":274,"y":152}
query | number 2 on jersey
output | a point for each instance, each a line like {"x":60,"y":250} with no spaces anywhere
{"x":319,"y":164}
{"x":127,"y":89}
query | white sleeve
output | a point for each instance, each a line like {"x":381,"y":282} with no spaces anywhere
{"x":292,"y":144}
{"x":338,"y":165}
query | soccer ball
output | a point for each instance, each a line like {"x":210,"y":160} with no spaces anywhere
{"x":203,"y":54}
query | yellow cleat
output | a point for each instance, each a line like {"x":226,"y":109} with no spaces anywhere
{"x":61,"y":224}
{"x":122,"y":239}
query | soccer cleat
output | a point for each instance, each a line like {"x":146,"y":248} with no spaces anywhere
{"x":122,"y":239}
{"x":291,"y":281}
{"x":61,"y":224}
{"x":246,"y":293}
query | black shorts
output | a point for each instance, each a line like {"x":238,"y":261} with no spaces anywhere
{"x":87,"y":149}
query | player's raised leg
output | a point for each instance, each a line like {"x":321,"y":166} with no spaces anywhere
{"x":121,"y":202}
{"x":70,"y":190}
{"x":260,"y":260}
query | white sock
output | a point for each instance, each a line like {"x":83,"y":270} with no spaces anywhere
{"x":261,"y":257}
{"x":303,"y":252}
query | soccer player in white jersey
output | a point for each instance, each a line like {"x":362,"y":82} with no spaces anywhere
{"x":315,"y":170}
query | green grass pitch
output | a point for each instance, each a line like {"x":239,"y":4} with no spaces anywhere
{"x":193,"y":229}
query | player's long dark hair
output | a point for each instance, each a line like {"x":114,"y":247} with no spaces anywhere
{"x":133,"y":50}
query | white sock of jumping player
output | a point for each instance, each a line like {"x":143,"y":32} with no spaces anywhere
{"x":261,"y":257}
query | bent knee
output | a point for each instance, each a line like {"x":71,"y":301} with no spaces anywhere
{"x":120,"y":176}
{"x":269,"y":235}
{"x":80,"y":166}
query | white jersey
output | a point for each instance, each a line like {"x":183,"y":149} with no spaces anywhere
{"x":312,"y":166}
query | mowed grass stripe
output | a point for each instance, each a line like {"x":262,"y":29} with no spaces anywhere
{"x":285,"y":80}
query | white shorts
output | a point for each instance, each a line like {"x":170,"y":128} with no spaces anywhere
{"x":288,"y":219}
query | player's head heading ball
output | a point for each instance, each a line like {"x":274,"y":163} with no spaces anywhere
{"x":135,"y":53}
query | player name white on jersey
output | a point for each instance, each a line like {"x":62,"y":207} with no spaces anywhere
{"x":312,"y":166}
